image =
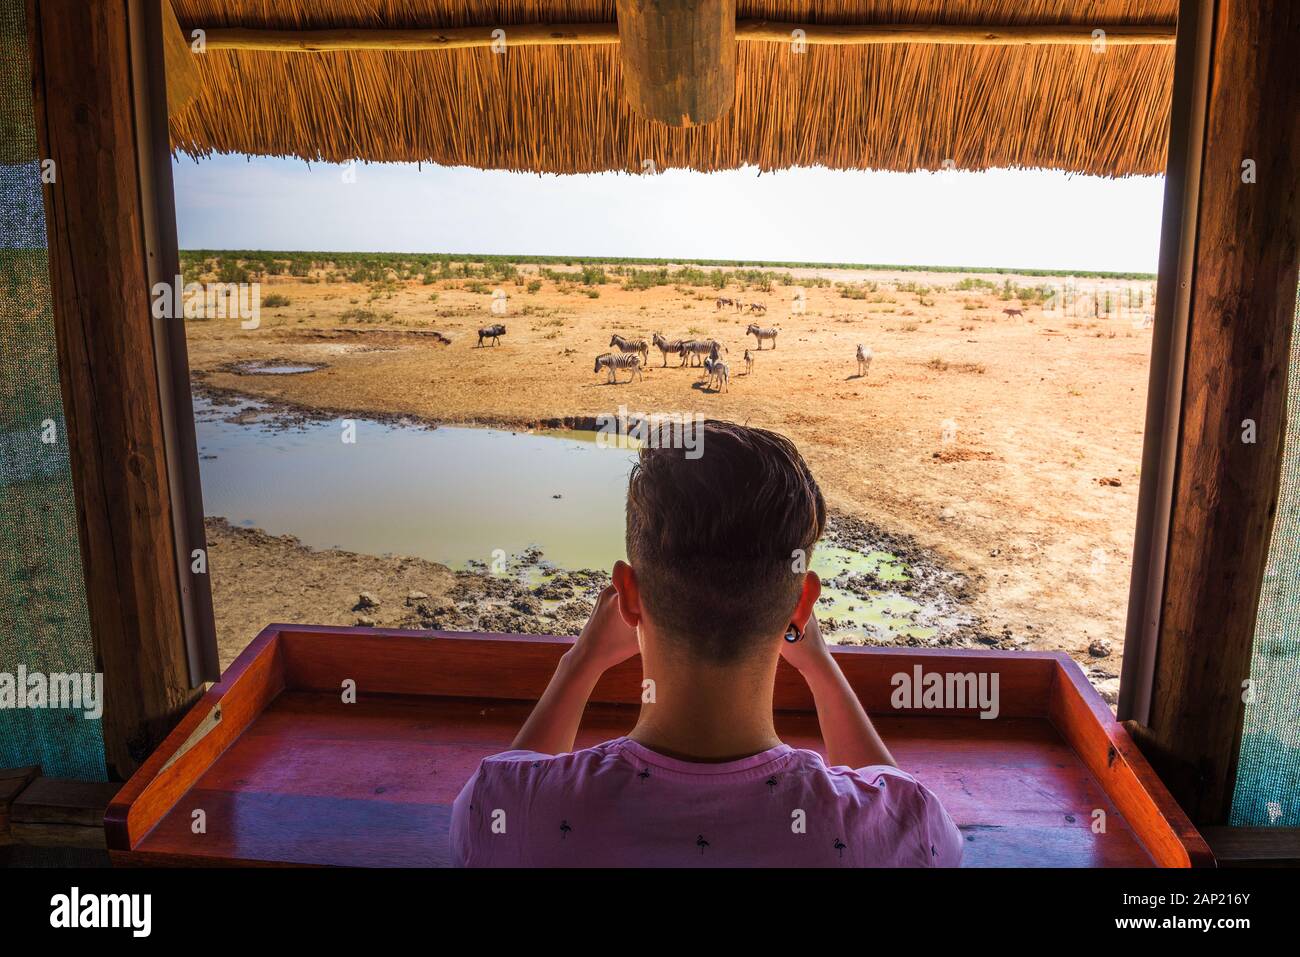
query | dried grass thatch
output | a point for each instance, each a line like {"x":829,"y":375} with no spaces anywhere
{"x":561,"y":109}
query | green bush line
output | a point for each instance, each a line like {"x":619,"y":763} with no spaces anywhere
{"x":498,"y":266}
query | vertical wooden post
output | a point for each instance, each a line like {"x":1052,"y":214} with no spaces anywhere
{"x":679,"y":58}
{"x":1233,"y":422}
{"x":108,"y":368}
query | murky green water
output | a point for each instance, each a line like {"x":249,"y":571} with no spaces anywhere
{"x":464,"y":497}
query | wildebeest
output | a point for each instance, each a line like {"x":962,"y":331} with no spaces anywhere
{"x":493,"y":332}
{"x":1012,"y":313}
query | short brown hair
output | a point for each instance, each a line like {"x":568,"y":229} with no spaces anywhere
{"x":716,"y":540}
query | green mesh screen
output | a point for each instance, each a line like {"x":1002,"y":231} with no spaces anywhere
{"x":44,"y":633}
{"x":1268,"y":772}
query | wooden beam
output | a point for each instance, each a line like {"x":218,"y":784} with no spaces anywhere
{"x":55,"y":812}
{"x":679,"y":59}
{"x":108,"y":372}
{"x":1242,"y":307}
{"x":1048,"y":34}
{"x":13,"y":781}
{"x":449,"y":38}
{"x":1254,"y":846}
{"x":747,"y":31}
{"x":1167,"y":373}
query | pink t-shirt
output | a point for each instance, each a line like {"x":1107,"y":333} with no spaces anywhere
{"x":619,"y":804}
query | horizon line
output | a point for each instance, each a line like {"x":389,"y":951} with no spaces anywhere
{"x":550,"y":258}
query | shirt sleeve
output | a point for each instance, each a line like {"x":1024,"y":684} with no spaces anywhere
{"x":936,"y":841}
{"x":471,"y":838}
{"x":465,"y":823}
{"x":945,"y":840}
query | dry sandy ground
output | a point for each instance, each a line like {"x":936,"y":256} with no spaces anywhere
{"x":1032,"y":491}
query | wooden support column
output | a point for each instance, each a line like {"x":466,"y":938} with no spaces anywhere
{"x":1241,"y":295}
{"x":99,"y":222}
{"x":679,"y":59}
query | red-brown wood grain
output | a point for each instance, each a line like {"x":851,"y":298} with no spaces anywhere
{"x":294,"y":775}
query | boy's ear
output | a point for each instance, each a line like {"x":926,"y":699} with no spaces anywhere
{"x":629,"y":593}
{"x":812,"y":590}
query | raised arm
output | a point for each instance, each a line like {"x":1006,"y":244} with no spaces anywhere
{"x":850,"y":737}
{"x":605,"y":641}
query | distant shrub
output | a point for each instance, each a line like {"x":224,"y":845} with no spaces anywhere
{"x":231,"y":271}
{"x":275,"y":299}
{"x":364,"y":315}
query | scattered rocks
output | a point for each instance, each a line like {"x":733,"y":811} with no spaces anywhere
{"x":553,"y":591}
{"x":365,"y":621}
{"x":526,"y":604}
{"x":365,"y":601}
{"x":415,"y":596}
{"x":1099,"y":648}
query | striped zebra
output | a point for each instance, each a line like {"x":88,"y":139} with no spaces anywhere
{"x":760,"y":333}
{"x":493,"y":332}
{"x":719,"y":375}
{"x":632,"y":345}
{"x":612,"y":363}
{"x":696,"y":350}
{"x":865,"y":356}
{"x":666,"y":346}
{"x":749,"y":363}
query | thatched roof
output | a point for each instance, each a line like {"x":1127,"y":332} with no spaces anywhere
{"x":561,"y":109}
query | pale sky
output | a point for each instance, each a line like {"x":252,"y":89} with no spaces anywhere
{"x":1007,"y":218}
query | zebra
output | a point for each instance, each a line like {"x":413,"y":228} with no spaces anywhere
{"x":632,"y":345}
{"x":865,"y":356}
{"x":719,"y":375}
{"x":759,"y":333}
{"x":758,"y":307}
{"x":612,"y":362}
{"x":666,"y":346}
{"x":696,"y":349}
{"x":749,"y":363}
{"x":720,"y":302}
{"x":493,"y":332}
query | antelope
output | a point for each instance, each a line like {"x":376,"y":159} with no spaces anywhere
{"x":749,"y":363}
{"x":865,"y":356}
{"x":1013,"y":313}
{"x":759,"y":333}
{"x":493,"y":332}
{"x":632,"y":345}
{"x":718,"y":374}
{"x":612,"y":362}
{"x":665,"y":346}
{"x":695,"y":349}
